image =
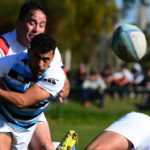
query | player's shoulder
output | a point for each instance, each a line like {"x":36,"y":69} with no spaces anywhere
{"x":57,"y":57}
{"x":55,"y":71}
{"x":13,"y":58}
{"x":6,"y":35}
{"x":9,"y":35}
{"x":7,"y":61}
{"x":53,"y":79}
{"x":8,"y":38}
{"x":54,"y":67}
{"x":57,"y":54}
{"x":57,"y":50}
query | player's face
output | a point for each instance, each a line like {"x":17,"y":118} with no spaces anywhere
{"x":39,"y":62}
{"x":33,"y":24}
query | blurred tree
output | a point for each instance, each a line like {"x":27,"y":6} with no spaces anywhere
{"x":77,"y":24}
{"x":83,"y":26}
{"x":127,"y":5}
{"x":8,"y":14}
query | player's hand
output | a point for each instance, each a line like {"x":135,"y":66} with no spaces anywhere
{"x":64,"y":92}
{"x":60,"y":96}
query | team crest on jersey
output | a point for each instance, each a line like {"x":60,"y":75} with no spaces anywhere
{"x":51,"y":81}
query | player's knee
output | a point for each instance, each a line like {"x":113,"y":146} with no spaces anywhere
{"x":43,"y":144}
{"x":98,"y":147}
{"x":46,"y":145}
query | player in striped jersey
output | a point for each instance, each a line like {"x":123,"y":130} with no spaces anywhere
{"x":31,"y":81}
{"x":32,"y":21}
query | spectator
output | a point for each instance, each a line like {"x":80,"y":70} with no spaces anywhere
{"x":122,"y":80}
{"x":76,"y":86}
{"x":147,"y":80}
{"x":147,"y":89}
{"x":106,"y":74}
{"x":137,"y":74}
{"x":80,"y":75}
{"x":138,"y":79}
{"x":94,"y":85}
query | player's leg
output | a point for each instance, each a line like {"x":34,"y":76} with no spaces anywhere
{"x":5,"y":141}
{"x":109,"y":140}
{"x":21,"y":138}
{"x":41,"y":139}
{"x":5,"y":136}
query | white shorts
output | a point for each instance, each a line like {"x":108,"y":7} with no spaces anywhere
{"x":20,"y":137}
{"x":42,"y":118}
{"x":135,"y":127}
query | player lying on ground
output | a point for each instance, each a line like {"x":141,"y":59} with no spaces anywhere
{"x":31,"y":81}
{"x":130,"y":132}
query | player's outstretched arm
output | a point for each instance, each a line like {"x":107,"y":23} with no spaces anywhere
{"x":31,"y":96}
{"x":109,"y":140}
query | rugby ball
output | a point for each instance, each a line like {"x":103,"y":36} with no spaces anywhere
{"x":129,"y":43}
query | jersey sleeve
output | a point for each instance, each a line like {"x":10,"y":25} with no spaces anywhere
{"x":5,"y":64}
{"x":53,"y":80}
{"x":57,"y":58}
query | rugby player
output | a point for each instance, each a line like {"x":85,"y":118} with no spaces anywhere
{"x":130,"y":132}
{"x":30,"y":81}
{"x":31,"y":22}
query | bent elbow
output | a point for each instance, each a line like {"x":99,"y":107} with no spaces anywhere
{"x":21,"y":104}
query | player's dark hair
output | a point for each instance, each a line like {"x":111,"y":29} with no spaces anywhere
{"x":32,"y":5}
{"x":44,"y":42}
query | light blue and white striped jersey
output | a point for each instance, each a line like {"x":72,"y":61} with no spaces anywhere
{"x":16,"y":75}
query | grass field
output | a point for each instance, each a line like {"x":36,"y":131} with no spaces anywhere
{"x":90,"y":121}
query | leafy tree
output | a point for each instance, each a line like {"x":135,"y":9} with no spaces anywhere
{"x":77,"y":24}
{"x":8,"y":14}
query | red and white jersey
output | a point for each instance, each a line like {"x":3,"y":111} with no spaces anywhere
{"x":9,"y":46}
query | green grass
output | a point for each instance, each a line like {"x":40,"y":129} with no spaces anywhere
{"x":90,"y":121}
